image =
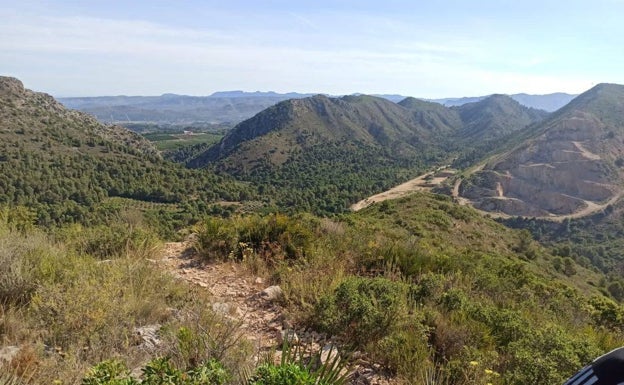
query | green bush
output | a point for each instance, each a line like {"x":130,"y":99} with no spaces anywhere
{"x":110,"y":372}
{"x":547,"y":356}
{"x":297,"y":368}
{"x":363,"y":310}
{"x":288,"y":374}
{"x":216,"y":239}
{"x":273,"y":237}
{"x":159,"y":371}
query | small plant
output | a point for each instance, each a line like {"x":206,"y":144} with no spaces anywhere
{"x":295,"y":368}
{"x":110,"y":372}
{"x":158,"y":372}
{"x":289,"y":374}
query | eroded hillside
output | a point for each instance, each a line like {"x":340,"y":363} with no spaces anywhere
{"x":570,"y":165}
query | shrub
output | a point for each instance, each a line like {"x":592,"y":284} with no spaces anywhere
{"x":288,"y":374}
{"x":159,"y":371}
{"x":112,"y":240}
{"x":296,"y":368}
{"x":546,"y":356}
{"x":273,"y":237}
{"x":216,"y":239}
{"x":16,"y":275}
{"x":110,"y":372}
{"x":363,"y":310}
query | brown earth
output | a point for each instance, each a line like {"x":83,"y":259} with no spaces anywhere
{"x":247,"y":299}
{"x":424,"y":182}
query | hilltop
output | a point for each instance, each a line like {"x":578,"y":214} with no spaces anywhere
{"x":548,"y":102}
{"x":568,"y":165}
{"x":494,"y":117}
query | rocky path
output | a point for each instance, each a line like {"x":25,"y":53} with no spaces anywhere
{"x":236,"y":293}
{"x":249,"y":300}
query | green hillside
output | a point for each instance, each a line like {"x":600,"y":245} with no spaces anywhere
{"x":495,"y":117}
{"x":62,"y":164}
{"x":422,"y":285}
{"x":323,"y":154}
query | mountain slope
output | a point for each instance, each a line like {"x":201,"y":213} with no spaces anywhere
{"x":326,"y":153}
{"x":338,"y":150}
{"x":570,"y":164}
{"x":548,"y":102}
{"x":63,"y":164}
{"x":494,"y":117}
{"x":281,"y":132}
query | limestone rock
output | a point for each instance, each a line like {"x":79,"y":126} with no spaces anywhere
{"x":329,"y":354}
{"x":272,"y":293}
{"x":7,"y":354}
{"x":289,"y":335}
{"x":148,"y":336}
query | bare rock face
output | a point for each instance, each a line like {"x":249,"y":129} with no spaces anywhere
{"x":9,"y":85}
{"x":571,"y":166}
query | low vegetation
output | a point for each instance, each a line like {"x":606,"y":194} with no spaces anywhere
{"x":68,"y":308}
{"x":424,"y":280}
{"x":175,"y":140}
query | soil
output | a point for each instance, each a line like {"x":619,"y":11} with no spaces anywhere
{"x":424,"y":182}
{"x":243,"y":297}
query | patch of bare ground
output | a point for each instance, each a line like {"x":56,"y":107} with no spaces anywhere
{"x":424,"y":182}
{"x":248,"y":300}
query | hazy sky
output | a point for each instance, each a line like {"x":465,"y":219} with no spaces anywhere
{"x":417,"y":48}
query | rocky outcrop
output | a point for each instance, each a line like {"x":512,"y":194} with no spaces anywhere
{"x":571,"y":163}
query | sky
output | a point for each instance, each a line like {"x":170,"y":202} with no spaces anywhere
{"x":430,"y":49}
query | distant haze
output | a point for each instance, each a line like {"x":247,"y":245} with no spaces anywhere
{"x":426,"y":49}
{"x":232,"y":107}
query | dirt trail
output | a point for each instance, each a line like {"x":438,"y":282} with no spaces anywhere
{"x":423,"y":182}
{"x":585,"y":152}
{"x":236,"y":293}
{"x":240,"y":296}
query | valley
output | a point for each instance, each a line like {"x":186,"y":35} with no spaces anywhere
{"x":207,"y":249}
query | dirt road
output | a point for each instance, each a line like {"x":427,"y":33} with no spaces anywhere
{"x":423,"y":182}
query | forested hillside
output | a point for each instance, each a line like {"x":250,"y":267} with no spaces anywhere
{"x":430,"y":288}
{"x":323,"y":154}
{"x":63,"y":165}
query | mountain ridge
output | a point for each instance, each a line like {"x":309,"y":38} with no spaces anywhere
{"x":367,"y":144}
{"x":233,"y":107}
{"x":567,"y":164}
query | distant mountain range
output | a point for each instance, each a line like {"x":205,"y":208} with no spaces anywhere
{"x":548,"y":102}
{"x":232,"y":107}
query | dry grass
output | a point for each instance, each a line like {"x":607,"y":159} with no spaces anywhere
{"x":75,"y":311}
